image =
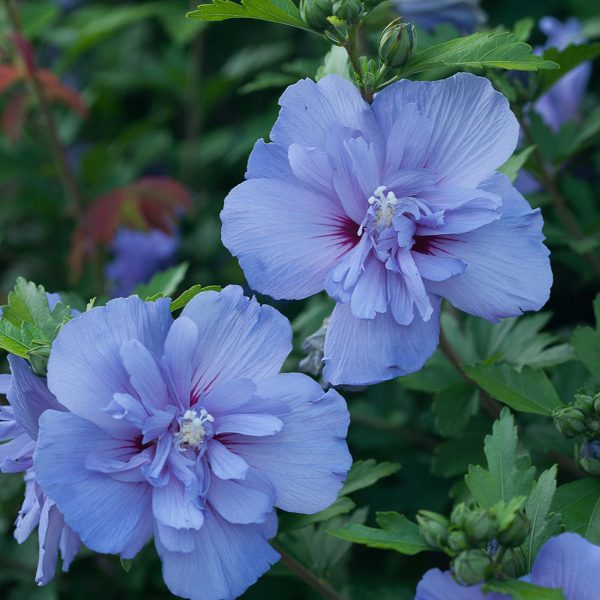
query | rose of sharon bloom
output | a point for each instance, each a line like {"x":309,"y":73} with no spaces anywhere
{"x":389,"y":207}
{"x":562,"y":101}
{"x":137,"y":256}
{"x":568,"y":562}
{"x":28,"y":398}
{"x":465,"y":15}
{"x":184,"y":429}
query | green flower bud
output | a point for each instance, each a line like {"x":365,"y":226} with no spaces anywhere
{"x":459,"y":515}
{"x":589,"y":457}
{"x":570,"y":421}
{"x":315,"y":13}
{"x":433,"y":527}
{"x":514,"y":535}
{"x":397,"y":44}
{"x":457,"y":541}
{"x":481,"y":526}
{"x":472,"y":566}
{"x":348,"y":10}
{"x":584,"y":402}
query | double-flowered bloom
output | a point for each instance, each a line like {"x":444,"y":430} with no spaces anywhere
{"x":567,"y":562}
{"x":389,"y":207}
{"x":186,"y":431}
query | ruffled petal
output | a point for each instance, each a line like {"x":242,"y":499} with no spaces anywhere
{"x":110,"y":516}
{"x":240,"y":338}
{"x":473,"y":132}
{"x":308,"y":459}
{"x":226,"y":559}
{"x":508,"y":268}
{"x":438,"y":585}
{"x":85,"y":368}
{"x":286,"y":236}
{"x":367,"y":351}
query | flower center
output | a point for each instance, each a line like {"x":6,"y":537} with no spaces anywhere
{"x":381,"y":209}
{"x":192,"y":430}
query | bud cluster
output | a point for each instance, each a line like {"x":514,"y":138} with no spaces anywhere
{"x":473,"y":536}
{"x":323,"y":15}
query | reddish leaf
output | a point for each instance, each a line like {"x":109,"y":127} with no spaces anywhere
{"x":59,"y":92}
{"x":25,"y":51}
{"x":14,"y":115}
{"x":8,"y":75}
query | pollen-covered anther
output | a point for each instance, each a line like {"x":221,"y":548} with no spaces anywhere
{"x":381,"y":209}
{"x":192,"y":431}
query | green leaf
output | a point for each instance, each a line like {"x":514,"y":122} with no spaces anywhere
{"x":567,"y":59}
{"x":521,"y":590}
{"x":579,"y":506}
{"x":453,"y":457}
{"x":586,"y":342}
{"x":284,"y":12}
{"x":14,"y":340}
{"x":163,"y":283}
{"x":453,"y":407}
{"x":508,"y":475}
{"x":396,"y":533}
{"x":184,"y":298}
{"x":336,"y":62}
{"x":523,"y":28}
{"x":479,"y":51}
{"x":365,"y":473}
{"x":341,"y":506}
{"x":528,"y":391}
{"x":516,"y":162}
{"x":537,"y":508}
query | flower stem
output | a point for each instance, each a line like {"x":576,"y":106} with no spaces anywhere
{"x":351,"y":46}
{"x":558,"y":201}
{"x":318,"y":585}
{"x":67,"y":177}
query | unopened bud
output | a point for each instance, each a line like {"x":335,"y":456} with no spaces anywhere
{"x":315,"y":13}
{"x":349,"y":11}
{"x":481,"y":527}
{"x":570,"y":421}
{"x":589,"y":457}
{"x":397,"y":44}
{"x":459,"y":515}
{"x":584,"y":402}
{"x":457,"y":541}
{"x":514,"y":535}
{"x":472,"y":566}
{"x":433,"y":527}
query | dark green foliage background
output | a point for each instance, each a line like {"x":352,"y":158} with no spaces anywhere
{"x":174,"y":98}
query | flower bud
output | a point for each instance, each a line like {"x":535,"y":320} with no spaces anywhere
{"x":348,"y":10}
{"x":514,"y":535}
{"x":397,"y":43}
{"x":472,"y":566}
{"x":481,"y":526}
{"x":433,"y":527}
{"x":570,"y":421}
{"x":457,"y":541}
{"x":459,"y":515}
{"x":589,"y":457}
{"x":584,"y":402}
{"x":315,"y":13}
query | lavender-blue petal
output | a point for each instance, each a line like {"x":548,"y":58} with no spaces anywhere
{"x":5,"y":380}
{"x":225,"y":561}
{"x":240,"y":337}
{"x":85,"y":368}
{"x":367,"y":351}
{"x":307,"y":461}
{"x":438,"y":585}
{"x":508,"y":267}
{"x":571,"y":563}
{"x":29,"y":395}
{"x":49,"y":534}
{"x":109,"y":515}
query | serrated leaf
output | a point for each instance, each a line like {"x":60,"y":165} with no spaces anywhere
{"x":567,"y":59}
{"x":579,"y":506}
{"x":163,"y":283}
{"x":365,"y":473}
{"x":508,"y":474}
{"x":453,"y":407}
{"x":397,"y":533}
{"x":480,"y":50}
{"x":537,"y":508}
{"x":515,"y":163}
{"x":284,"y":12}
{"x":341,"y":506}
{"x":527,"y":391}
{"x":13,"y":340}
{"x":184,"y":298}
{"x":521,"y":590}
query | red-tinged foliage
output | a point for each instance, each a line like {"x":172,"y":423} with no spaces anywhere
{"x":150,"y":203}
{"x":25,"y":70}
